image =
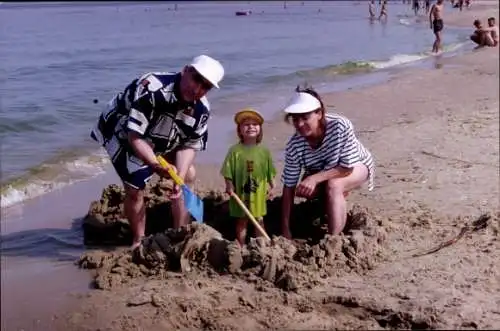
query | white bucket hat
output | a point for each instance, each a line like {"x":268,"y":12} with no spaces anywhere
{"x":209,"y":68}
{"x":302,"y":103}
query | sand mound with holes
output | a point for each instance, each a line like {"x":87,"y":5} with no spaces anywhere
{"x":200,"y":249}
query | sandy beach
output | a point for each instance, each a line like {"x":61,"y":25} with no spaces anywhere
{"x":434,"y":133}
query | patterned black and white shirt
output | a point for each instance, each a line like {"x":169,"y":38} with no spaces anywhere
{"x":340,"y":147}
{"x":150,"y":108}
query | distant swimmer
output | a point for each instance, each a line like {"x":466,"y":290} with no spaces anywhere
{"x":383,"y":10}
{"x":371,"y":9}
{"x":437,"y":24}
{"x":482,"y":36}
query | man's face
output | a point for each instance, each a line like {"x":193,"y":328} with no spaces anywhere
{"x":491,"y":22}
{"x":193,"y":86}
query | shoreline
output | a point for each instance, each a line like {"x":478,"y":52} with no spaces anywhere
{"x":344,"y":100}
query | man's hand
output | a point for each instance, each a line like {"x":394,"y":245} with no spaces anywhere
{"x":306,"y":188}
{"x":163,"y":172}
{"x":176,"y":192}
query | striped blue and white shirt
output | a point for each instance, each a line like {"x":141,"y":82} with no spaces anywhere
{"x":340,"y":147}
{"x":150,"y":108}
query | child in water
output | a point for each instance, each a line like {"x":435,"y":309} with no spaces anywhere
{"x":248,"y":171}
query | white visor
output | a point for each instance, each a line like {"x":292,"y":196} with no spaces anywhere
{"x":302,"y":103}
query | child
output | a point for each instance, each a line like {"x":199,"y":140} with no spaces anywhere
{"x":248,"y":169}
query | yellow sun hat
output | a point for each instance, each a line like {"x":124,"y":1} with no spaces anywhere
{"x":248,"y":113}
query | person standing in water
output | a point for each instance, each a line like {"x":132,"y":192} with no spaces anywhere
{"x":436,"y":23}
{"x":383,"y":10}
{"x":416,"y":7}
{"x":371,"y":9}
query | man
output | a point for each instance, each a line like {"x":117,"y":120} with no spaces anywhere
{"x":493,"y":28}
{"x":481,"y":36}
{"x":436,"y":22}
{"x":158,"y":113}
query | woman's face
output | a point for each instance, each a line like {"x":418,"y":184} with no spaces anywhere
{"x":307,"y":124}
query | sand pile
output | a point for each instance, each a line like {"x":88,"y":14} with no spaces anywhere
{"x":200,"y":249}
{"x":105,"y":223}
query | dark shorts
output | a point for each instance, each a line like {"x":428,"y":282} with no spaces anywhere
{"x":131,"y":170}
{"x":437,"y":25}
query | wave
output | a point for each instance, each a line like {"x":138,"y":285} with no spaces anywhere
{"x":401,"y":59}
{"x":346,"y":68}
{"x":359,"y":67}
{"x":52,"y":175}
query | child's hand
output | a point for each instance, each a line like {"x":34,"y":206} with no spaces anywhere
{"x":229,"y":187}
{"x":270,"y":193}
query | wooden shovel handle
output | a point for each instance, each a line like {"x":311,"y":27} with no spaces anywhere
{"x":250,"y":216}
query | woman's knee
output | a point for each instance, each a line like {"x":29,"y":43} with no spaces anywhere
{"x":355,"y":179}
{"x":335,"y":186}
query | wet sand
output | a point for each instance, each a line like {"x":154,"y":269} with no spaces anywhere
{"x":437,"y":156}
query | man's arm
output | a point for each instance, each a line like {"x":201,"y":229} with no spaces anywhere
{"x":138,"y":122}
{"x":142,"y":149}
{"x":431,"y":12}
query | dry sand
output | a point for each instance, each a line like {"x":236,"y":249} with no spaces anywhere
{"x":435,"y":136}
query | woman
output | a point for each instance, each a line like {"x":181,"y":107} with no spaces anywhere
{"x":333,"y":160}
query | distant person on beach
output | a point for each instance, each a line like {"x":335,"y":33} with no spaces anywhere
{"x":327,"y":150}
{"x":416,"y":6}
{"x":371,"y":9}
{"x":158,"y":113}
{"x":493,"y":28}
{"x":437,"y":24}
{"x":383,"y":10}
{"x":248,"y":171}
{"x":482,"y":36}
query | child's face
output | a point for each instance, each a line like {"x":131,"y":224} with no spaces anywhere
{"x":249,"y":128}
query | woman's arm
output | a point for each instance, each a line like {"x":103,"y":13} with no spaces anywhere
{"x":337,"y":172}
{"x":286,"y":208}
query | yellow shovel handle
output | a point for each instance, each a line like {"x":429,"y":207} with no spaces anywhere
{"x":250,"y":216}
{"x":178,"y":180}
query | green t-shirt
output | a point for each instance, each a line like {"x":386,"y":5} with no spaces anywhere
{"x":250,"y":168}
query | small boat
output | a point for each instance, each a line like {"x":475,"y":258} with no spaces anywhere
{"x":243,"y":12}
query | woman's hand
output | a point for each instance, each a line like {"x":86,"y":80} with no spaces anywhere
{"x":306,"y":187}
